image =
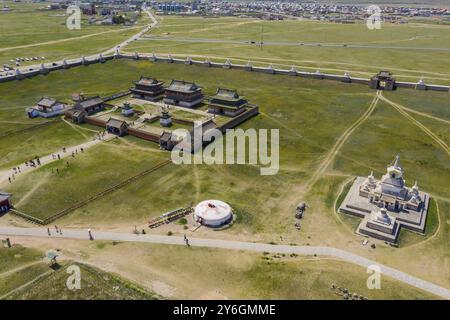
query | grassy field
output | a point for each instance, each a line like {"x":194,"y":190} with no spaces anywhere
{"x":25,"y":275}
{"x":93,"y":169}
{"x":218,"y":274}
{"x":18,"y":256}
{"x":28,"y":32}
{"x":407,"y":64}
{"x":95,"y":285}
{"x":310,"y":114}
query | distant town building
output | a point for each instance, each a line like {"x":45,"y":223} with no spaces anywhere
{"x":117,"y":127}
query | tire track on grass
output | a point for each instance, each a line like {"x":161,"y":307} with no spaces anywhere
{"x":427,"y":131}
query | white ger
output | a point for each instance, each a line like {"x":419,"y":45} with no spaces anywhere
{"x":213,"y":213}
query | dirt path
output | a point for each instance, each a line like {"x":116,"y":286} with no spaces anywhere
{"x":26,"y":284}
{"x":234,"y":245}
{"x":66,"y":39}
{"x":339,"y":143}
{"x":7,"y":273}
{"x":427,"y":131}
{"x":423,"y":114}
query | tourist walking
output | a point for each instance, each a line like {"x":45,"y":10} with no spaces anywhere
{"x":48,"y":232}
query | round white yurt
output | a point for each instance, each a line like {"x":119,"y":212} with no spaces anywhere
{"x":213,"y":213}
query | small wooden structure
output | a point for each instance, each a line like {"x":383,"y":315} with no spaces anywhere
{"x":166,"y":141}
{"x":170,"y":216}
{"x":117,"y":127}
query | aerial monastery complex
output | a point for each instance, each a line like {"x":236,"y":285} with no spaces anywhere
{"x":386,"y":204}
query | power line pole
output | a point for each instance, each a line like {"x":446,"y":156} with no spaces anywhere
{"x":262,"y":35}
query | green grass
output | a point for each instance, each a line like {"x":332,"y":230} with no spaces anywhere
{"x":310,"y":114}
{"x":407,"y":64}
{"x":19,"y":147}
{"x":407,"y":238}
{"x":379,"y":140}
{"x":17,"y":256}
{"x":22,"y":277}
{"x":95,"y":285}
{"x":40,"y":26}
{"x":87,"y":174}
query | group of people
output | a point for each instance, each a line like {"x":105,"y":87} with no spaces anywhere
{"x":58,"y":231}
{"x":37,"y":162}
{"x":100,"y":135}
{"x":28,"y":163}
{"x":16,"y":170}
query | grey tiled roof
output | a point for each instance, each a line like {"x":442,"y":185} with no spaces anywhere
{"x":115,"y":123}
{"x":46,"y":102}
{"x":183,"y":86}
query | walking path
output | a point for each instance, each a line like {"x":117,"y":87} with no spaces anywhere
{"x":4,"y":175}
{"x":340,"y":142}
{"x":234,"y":245}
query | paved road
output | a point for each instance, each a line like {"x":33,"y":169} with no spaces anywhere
{"x":288,"y":43}
{"x":234,"y":245}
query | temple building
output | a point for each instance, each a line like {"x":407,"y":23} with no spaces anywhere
{"x":165,"y":119}
{"x":148,"y":89}
{"x":406,"y":206}
{"x":90,"y":105}
{"x":183,"y":94}
{"x":167,"y":141}
{"x":47,"y":108}
{"x":226,"y":102}
{"x":84,"y":108}
{"x":5,"y":202}
{"x":383,"y":81}
{"x":117,"y":127}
